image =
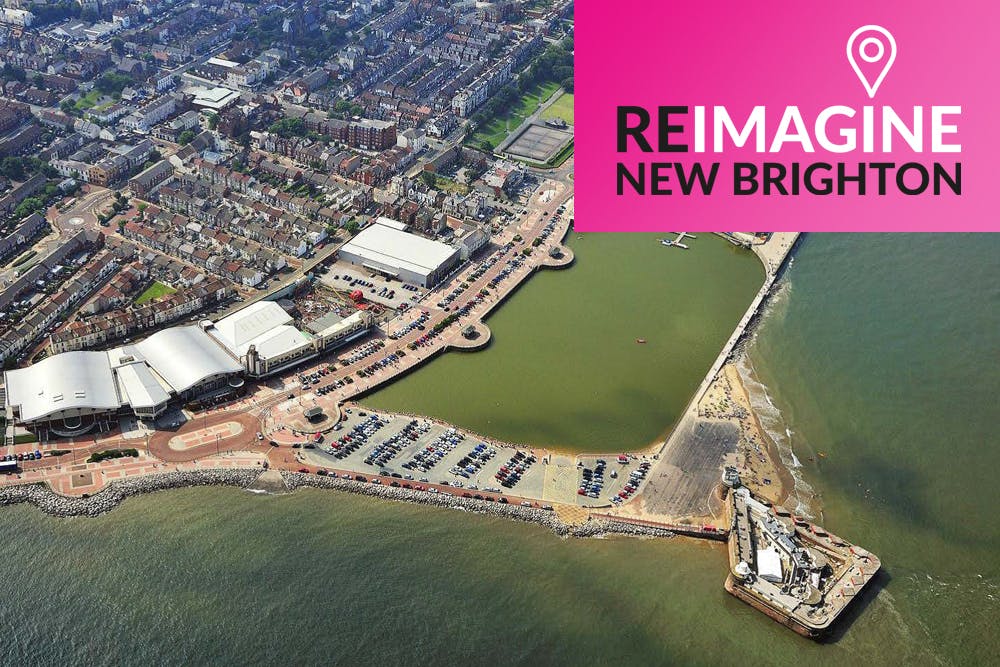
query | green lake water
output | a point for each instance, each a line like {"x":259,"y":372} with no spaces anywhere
{"x":564,"y":368}
{"x":880,"y":352}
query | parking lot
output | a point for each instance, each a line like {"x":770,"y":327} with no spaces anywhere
{"x":424,"y":444}
{"x":609,"y":476}
{"x":375,"y":288}
{"x":421,"y":451}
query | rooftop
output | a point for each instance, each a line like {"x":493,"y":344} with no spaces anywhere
{"x":185,"y":356}
{"x":72,"y":380}
{"x":385,"y":244}
{"x":265,"y":325}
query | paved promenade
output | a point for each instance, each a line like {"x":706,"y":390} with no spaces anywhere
{"x":276,"y":407}
{"x":680,"y":483}
{"x":548,"y":197}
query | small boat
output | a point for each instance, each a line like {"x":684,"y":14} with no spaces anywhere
{"x":640,"y":340}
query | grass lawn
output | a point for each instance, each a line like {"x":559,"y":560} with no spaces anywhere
{"x":561,"y":108}
{"x":497,"y":128}
{"x":153,"y":292}
{"x":448,"y":185}
{"x":88,"y":100}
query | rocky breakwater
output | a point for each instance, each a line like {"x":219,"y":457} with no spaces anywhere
{"x":547,"y":518}
{"x":111,"y":496}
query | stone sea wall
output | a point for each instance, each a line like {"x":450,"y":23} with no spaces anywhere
{"x":111,"y":496}
{"x":543,"y":517}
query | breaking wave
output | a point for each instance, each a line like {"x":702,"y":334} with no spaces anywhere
{"x":768,"y":414}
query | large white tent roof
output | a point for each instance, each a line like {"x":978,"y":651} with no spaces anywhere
{"x":68,"y":381}
{"x":240,"y":329}
{"x":264,"y":325}
{"x":184,"y":356}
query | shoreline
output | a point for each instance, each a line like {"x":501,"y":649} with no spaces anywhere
{"x":712,"y":406}
{"x":122,"y":486}
{"x":53,"y":504}
{"x":787,"y":479}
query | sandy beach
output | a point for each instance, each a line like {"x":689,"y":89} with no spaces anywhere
{"x":756,"y":456}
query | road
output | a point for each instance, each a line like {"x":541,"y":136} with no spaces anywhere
{"x":84,"y":209}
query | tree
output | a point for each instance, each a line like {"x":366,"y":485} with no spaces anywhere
{"x":118,"y":46}
{"x":38,"y":80}
{"x":44,"y":167}
{"x":429,"y":178}
{"x":12,"y":168}
{"x":213,"y":121}
{"x":28,"y":206}
{"x":185,"y":137}
{"x":14,"y":72}
{"x":112,"y":83}
{"x":288,"y":127}
{"x":352,"y":226}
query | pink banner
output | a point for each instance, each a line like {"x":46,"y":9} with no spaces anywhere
{"x":786,"y":115}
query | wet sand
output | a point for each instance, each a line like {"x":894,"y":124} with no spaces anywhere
{"x":759,"y":458}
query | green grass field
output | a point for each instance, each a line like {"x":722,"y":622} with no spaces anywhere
{"x":561,"y":108}
{"x":446,"y":184}
{"x":155,"y":291}
{"x":88,"y":100}
{"x":496,"y":129}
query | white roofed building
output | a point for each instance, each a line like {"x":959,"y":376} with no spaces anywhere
{"x":188,"y":360}
{"x":769,"y":564}
{"x":142,"y":390}
{"x":387,"y":250}
{"x":69,"y":391}
{"x":263,"y":337}
{"x":215,"y":99}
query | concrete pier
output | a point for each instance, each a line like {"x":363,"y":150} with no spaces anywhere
{"x":772,"y":255}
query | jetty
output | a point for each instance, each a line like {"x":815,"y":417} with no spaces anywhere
{"x":678,"y":242}
{"x":795,"y":572}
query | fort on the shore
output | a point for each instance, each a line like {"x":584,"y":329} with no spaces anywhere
{"x":785,"y":566}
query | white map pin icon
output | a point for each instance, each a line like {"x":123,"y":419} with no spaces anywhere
{"x":876,"y":50}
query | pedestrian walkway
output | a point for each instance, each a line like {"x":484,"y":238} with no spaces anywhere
{"x":572,"y":515}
